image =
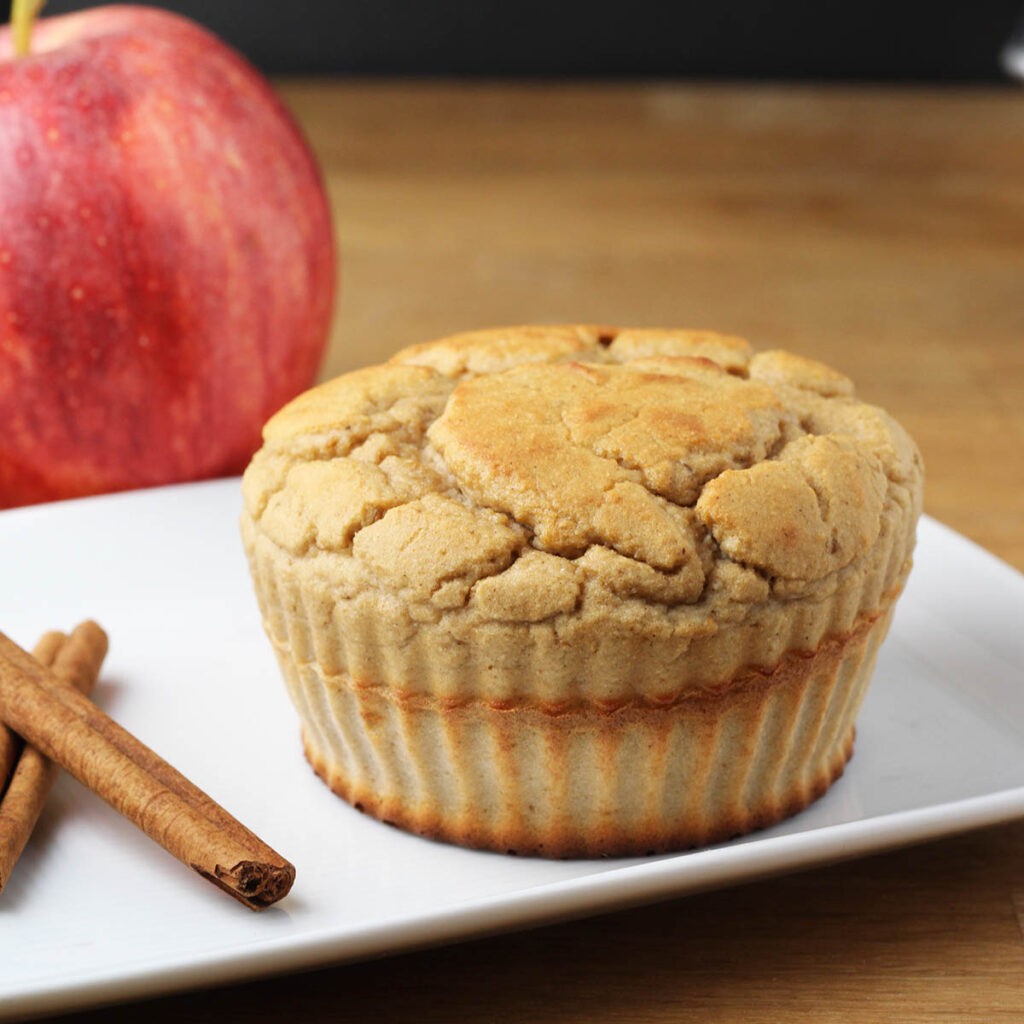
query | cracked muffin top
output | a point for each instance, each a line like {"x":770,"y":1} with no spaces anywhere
{"x":526,"y":473}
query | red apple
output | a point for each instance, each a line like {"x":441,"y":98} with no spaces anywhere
{"x":166,"y":258}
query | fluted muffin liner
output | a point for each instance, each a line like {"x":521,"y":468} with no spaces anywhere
{"x":580,"y":775}
{"x":585,"y":781}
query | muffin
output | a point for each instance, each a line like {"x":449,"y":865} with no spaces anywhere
{"x":576,"y":591}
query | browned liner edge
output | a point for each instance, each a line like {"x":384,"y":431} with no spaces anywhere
{"x":570,"y":845}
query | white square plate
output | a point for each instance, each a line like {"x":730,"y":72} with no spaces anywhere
{"x":97,"y":912}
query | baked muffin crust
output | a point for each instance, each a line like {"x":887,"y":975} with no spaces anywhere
{"x":582,"y":479}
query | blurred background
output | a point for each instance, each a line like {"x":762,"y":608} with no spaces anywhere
{"x":895,"y":41}
{"x":840,"y":179}
{"x":845,"y":180}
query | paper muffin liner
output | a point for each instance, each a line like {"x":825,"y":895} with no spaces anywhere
{"x":588,"y":778}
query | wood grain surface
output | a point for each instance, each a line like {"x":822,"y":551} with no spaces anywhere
{"x":879,"y":229}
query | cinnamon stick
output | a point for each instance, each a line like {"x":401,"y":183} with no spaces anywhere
{"x":76,"y":661}
{"x":10,"y":742}
{"x":69,"y":729}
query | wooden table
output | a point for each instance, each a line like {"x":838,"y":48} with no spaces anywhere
{"x":879,"y":229}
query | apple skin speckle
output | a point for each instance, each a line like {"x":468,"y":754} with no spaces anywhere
{"x":227,"y":269}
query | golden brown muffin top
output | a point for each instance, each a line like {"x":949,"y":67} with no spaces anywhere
{"x":505,"y":470}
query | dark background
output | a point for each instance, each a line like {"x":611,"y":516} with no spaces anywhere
{"x":955,"y":40}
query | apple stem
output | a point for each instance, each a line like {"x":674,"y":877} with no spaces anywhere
{"x":23,"y":15}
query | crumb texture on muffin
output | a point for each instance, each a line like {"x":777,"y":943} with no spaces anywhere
{"x":669,"y":495}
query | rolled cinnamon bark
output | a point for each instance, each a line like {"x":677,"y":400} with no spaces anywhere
{"x":136,"y":782}
{"x":11,"y":743}
{"x":76,"y":661}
